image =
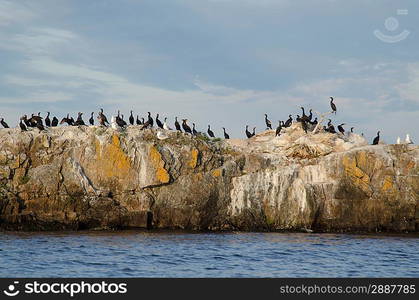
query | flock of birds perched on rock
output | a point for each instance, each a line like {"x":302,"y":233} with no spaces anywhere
{"x":118,"y":122}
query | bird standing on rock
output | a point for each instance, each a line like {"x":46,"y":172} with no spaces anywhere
{"x":210,"y":133}
{"x":340,"y":128}
{"x":332,"y":105}
{"x":278,"y":129}
{"x":376,"y":139}
{"x":226,"y":136}
{"x":47,"y":120}
{"x":268,"y":122}
{"x":248,"y":133}
{"x":177,"y":125}
{"x":3,"y":123}
{"x":185,"y":126}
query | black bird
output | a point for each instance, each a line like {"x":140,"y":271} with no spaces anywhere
{"x":185,"y":126}
{"x":304,"y":116}
{"x":150,"y":119}
{"x":138,"y":121}
{"x":131,"y":119}
{"x":278,"y":129}
{"x":268,"y":123}
{"x":330,"y":127}
{"x":120,"y":121}
{"x":79,"y":121}
{"x":91,"y":120}
{"x":248,"y":133}
{"x":254,"y":131}
{"x":314,"y":122}
{"x":47,"y":120}
{"x":332,"y":105}
{"x":210,"y":133}
{"x":102,"y":118}
{"x":376,"y":139}
{"x":3,"y":123}
{"x":340,"y":128}
{"x":352,"y":129}
{"x":25,"y":120}
{"x":325,"y":129}
{"x":36,"y":119}
{"x":145,"y":124}
{"x":54,"y":122}
{"x":177,"y":125}
{"x":67,"y":120}
{"x":122,"y":118}
{"x":158,"y":122}
{"x":298,"y":118}
{"x":288,"y":123}
{"x":142,"y":122}
{"x":194,"y":132}
{"x":310,"y":116}
{"x":22,"y":126}
{"x":226,"y":136}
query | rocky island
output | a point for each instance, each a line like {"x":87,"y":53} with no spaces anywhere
{"x":73,"y":178}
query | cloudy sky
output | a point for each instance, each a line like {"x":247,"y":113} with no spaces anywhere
{"x":218,"y":62}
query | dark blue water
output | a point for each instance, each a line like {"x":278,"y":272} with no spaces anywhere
{"x":147,"y":254}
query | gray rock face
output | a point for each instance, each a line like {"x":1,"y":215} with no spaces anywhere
{"x":92,"y":177}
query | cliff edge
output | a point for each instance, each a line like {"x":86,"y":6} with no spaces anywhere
{"x":97,"y":178}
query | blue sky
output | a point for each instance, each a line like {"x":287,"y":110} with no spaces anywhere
{"x":218,"y":62}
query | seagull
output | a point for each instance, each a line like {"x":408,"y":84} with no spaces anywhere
{"x":408,"y":140}
{"x":161,"y":135}
{"x":398,"y":141}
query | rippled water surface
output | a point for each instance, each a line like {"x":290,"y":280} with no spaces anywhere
{"x":162,"y":254}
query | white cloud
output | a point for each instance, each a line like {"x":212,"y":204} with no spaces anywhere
{"x":13,"y":12}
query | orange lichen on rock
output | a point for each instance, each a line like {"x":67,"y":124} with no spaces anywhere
{"x":161,"y":174}
{"x":194,"y":158}
{"x":112,"y":159}
{"x":216,"y":173}
{"x":358,"y":176}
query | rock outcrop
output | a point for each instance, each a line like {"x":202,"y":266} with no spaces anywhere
{"x":98,"y":178}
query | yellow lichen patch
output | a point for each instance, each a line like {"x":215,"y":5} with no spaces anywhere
{"x":161,"y":174}
{"x":111,"y":158}
{"x":358,"y":176}
{"x":216,"y":173}
{"x":361,"y":159}
{"x":198,"y":176}
{"x":194,"y":158}
{"x":387,"y":184}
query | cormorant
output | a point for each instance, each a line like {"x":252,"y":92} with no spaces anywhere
{"x":268,"y":123}
{"x":102,"y":118}
{"x":47,"y":120}
{"x":185,"y":126}
{"x":376,"y":139}
{"x":138,"y":121}
{"x":226,"y":136}
{"x":25,"y":120}
{"x":131,"y":119}
{"x":194,"y":132}
{"x":352,"y":129}
{"x":254,"y":131}
{"x":36,"y":119}
{"x":66,"y":120}
{"x":278,"y":129}
{"x":158,"y":122}
{"x":314,"y":122}
{"x":165,"y":126}
{"x":120,"y":121}
{"x":288,"y":123}
{"x":79,"y":121}
{"x":330,"y":127}
{"x":340,"y":128}
{"x":248,"y":133}
{"x":210,"y":133}
{"x":54,"y":122}
{"x":332,"y":105}
{"x":298,"y":118}
{"x":150,"y":120}
{"x":91,"y":120}
{"x":177,"y":125}
{"x":3,"y":123}
{"x":304,"y":116}
{"x":22,"y":126}
{"x":310,"y":116}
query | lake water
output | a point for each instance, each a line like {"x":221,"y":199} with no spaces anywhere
{"x":179,"y":254}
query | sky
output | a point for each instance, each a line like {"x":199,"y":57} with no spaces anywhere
{"x":219,"y":62}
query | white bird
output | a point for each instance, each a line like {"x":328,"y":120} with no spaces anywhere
{"x":398,"y":140}
{"x":114,"y":125}
{"x":408,"y":140}
{"x":161,"y":135}
{"x":165,"y":126}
